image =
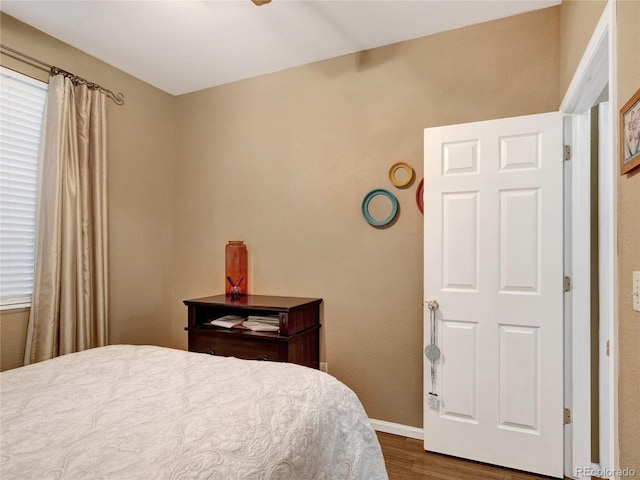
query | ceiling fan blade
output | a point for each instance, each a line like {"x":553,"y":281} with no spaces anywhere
{"x":260,"y":2}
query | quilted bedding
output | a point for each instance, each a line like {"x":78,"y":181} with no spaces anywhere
{"x":142,"y":412}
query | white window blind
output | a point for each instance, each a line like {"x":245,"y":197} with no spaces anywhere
{"x":22,"y":102}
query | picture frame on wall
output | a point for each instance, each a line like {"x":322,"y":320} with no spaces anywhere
{"x":630,"y":134}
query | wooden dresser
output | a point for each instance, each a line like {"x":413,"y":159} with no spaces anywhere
{"x":297,"y":341}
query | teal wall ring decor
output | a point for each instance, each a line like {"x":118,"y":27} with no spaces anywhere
{"x":365,"y":207}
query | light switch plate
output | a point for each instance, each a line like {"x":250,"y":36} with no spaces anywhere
{"x":636,"y":291}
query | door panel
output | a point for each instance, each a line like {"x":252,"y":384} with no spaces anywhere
{"x":519,"y":382}
{"x":460,"y":247}
{"x":493,"y":261}
{"x":462,"y":394}
{"x":519,"y":241}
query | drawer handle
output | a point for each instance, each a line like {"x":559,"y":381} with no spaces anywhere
{"x":210,"y":351}
{"x":262,"y":357}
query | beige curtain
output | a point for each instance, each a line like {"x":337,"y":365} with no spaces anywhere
{"x":69,"y":309}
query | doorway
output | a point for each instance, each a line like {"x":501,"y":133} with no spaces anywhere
{"x":591,"y":442}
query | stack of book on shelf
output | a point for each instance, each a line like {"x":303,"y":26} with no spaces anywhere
{"x":261,"y":323}
{"x":228,"y":321}
{"x":257,"y":323}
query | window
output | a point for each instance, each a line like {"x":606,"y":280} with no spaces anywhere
{"x":21,"y":110}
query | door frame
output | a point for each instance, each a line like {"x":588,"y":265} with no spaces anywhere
{"x":596,"y":70}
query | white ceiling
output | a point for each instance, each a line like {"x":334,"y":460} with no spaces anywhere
{"x":184,"y":46}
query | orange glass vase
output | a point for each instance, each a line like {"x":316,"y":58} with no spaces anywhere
{"x":236,"y":270}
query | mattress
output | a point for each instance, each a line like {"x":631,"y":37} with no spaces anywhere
{"x":144,"y":412}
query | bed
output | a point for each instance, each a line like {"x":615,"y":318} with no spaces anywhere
{"x":144,"y":412}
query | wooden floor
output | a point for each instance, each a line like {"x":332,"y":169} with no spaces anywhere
{"x":406,"y":460}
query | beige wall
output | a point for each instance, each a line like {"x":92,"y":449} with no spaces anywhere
{"x":13,"y":332}
{"x":141,"y":151}
{"x":283,"y":162}
{"x":628,"y":18}
{"x":578,"y":19}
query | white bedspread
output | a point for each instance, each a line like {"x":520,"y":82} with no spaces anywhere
{"x":142,"y":412}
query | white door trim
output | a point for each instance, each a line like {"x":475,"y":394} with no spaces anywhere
{"x":577,"y":303}
{"x":596,"y":69}
{"x":608,"y":280}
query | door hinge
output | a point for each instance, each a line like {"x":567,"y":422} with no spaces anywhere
{"x":567,"y":284}
{"x":567,"y":416}
{"x":566,"y":153}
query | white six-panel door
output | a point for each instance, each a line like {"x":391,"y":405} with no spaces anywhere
{"x":493,"y":261}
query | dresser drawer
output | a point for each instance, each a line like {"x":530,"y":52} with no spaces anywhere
{"x":228,"y":345}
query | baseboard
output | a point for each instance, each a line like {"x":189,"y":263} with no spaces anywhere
{"x":397,"y":429}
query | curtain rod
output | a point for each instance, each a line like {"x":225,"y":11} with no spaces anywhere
{"x":118,"y":98}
